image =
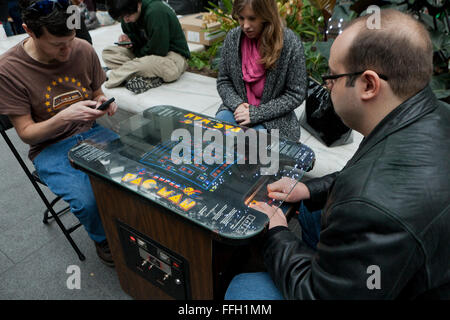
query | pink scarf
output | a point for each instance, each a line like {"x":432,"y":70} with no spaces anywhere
{"x":254,"y":73}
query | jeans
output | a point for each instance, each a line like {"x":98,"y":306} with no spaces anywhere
{"x":253,"y":286}
{"x":7,"y":28}
{"x":53,"y":167}
{"x":259,"y":285}
{"x":228,"y":116}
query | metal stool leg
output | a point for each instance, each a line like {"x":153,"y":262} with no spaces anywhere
{"x":59,"y":213}
{"x":46,"y":212}
{"x":67,"y":233}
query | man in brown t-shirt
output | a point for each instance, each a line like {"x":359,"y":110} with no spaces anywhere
{"x":50,"y":85}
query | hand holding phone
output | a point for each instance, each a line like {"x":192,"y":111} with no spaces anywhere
{"x":123,"y":43}
{"x":105,"y":104}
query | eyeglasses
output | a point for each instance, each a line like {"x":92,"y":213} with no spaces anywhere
{"x":328,"y":80}
{"x":45,"y":7}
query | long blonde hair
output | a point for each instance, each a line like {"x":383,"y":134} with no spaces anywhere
{"x":271,"y":38}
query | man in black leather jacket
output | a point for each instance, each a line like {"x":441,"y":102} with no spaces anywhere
{"x":385,"y":229}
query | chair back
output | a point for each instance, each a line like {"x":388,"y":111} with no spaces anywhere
{"x":5,"y":124}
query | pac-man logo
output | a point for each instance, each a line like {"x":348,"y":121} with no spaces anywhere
{"x":191,"y":118}
{"x":174,"y":196}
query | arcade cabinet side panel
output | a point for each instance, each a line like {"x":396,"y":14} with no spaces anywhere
{"x":181,"y":237}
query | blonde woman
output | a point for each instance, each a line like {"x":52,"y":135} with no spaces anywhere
{"x":262,"y":74}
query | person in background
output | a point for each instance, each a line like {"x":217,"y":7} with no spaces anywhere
{"x":15,"y":14}
{"x":262,"y":74}
{"x":4,"y":14}
{"x":154,"y":50}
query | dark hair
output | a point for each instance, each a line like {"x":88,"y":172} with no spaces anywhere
{"x":119,"y":8}
{"x":401,"y":49}
{"x":55,"y":22}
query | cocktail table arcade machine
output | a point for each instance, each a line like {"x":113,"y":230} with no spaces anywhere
{"x":168,"y":221}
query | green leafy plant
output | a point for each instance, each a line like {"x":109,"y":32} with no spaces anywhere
{"x":223,"y":15}
{"x":208,"y":61}
{"x":434,"y":14}
{"x":306,"y":18}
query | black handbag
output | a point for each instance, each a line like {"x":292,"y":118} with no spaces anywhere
{"x":320,"y":119}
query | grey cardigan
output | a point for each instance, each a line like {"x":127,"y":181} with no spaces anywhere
{"x":284,"y":90}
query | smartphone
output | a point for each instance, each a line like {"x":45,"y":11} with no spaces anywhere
{"x":123,"y":43}
{"x":105,"y":104}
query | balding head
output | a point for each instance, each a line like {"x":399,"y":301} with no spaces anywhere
{"x":401,"y":49}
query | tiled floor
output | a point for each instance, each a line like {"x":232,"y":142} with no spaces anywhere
{"x":34,"y":258}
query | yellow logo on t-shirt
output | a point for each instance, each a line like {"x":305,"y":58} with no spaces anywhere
{"x":53,"y":103}
{"x":66,"y":99}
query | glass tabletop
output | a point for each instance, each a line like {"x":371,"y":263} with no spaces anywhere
{"x":198,"y":167}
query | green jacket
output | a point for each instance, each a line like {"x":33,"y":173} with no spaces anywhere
{"x":157,"y":31}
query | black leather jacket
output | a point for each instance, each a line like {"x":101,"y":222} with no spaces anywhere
{"x":389,"y":207}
